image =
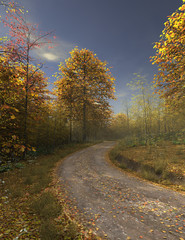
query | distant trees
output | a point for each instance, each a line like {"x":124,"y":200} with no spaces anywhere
{"x":84,"y":86}
{"x":143,"y":103}
{"x":150,"y":118}
{"x":170,"y":80}
{"x":119,"y":126}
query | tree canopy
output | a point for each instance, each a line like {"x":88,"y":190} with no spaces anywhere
{"x":170,"y":50}
{"x":85,"y":85}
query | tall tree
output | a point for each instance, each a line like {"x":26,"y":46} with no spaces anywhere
{"x":85,"y":85}
{"x":10,"y":92}
{"x":24,"y":37}
{"x":170,"y":50}
{"x":12,"y":96}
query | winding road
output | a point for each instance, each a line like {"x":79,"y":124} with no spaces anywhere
{"x":117,"y":205}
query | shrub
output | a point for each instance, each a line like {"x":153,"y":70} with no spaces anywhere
{"x":149,"y":175}
{"x":49,"y":231}
{"x":46,"y":206}
{"x":71,"y":231}
{"x":160,"y":166}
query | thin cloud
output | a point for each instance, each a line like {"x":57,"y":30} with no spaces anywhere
{"x":121,"y":95}
{"x":50,"y":57}
{"x":58,"y":53}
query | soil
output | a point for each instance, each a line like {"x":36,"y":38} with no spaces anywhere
{"x":117,"y":205}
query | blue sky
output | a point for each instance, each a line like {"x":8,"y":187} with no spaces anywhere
{"x":121,"y":32}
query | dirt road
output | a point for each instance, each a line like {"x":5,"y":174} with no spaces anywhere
{"x":116,"y":205}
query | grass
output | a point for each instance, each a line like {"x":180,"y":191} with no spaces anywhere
{"x":46,"y":206}
{"x":30,"y":202}
{"x":162,"y":162}
{"x":49,"y":231}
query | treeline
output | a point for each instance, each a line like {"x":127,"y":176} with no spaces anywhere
{"x":32,"y":118}
{"x":147,"y":117}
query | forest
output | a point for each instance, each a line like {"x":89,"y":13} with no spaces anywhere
{"x":40,"y":125}
{"x":36,"y":119}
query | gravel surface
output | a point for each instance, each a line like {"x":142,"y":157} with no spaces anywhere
{"x":116,"y":205}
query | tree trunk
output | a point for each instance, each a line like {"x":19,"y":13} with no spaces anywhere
{"x":25,"y":134}
{"x":70,"y":125}
{"x":84,"y":118}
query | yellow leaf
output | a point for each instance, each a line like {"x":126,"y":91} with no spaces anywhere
{"x":14,"y":137}
{"x":13,"y":117}
{"x":33,"y":149}
{"x":7,"y":232}
{"x":22,"y":149}
{"x":7,"y":150}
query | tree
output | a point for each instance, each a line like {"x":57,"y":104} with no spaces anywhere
{"x":12,"y":95}
{"x":24,"y":37}
{"x":170,"y":58}
{"x":85,"y":85}
{"x":143,"y":104}
{"x":126,"y":109}
{"x":10,"y":92}
{"x":119,"y":127}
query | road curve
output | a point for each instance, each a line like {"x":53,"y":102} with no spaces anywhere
{"x":116,"y":205}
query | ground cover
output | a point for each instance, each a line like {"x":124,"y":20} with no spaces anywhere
{"x":162,"y":162}
{"x":31,"y":206}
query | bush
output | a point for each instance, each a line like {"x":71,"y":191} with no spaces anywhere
{"x":46,"y":206}
{"x":15,"y":191}
{"x":160,"y":166}
{"x":71,"y":231}
{"x":149,"y":175}
{"x":5,"y":168}
{"x":49,"y":231}
{"x":19,"y":165}
{"x":29,"y":180}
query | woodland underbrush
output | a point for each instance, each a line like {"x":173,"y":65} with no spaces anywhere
{"x":31,"y":204}
{"x":162,"y":161}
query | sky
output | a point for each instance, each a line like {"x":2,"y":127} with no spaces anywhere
{"x":121,"y":32}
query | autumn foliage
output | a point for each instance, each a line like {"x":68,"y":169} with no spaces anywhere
{"x":22,"y":84}
{"x":84,"y":86}
{"x":24,"y":93}
{"x":31,"y":116}
{"x":169,"y":57}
